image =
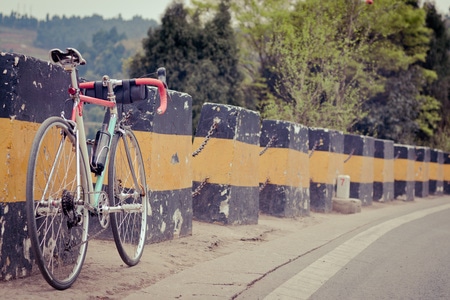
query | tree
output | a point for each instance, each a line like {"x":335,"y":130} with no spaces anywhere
{"x":105,"y":56}
{"x":403,"y":112}
{"x":201,"y":59}
{"x":314,"y":73}
{"x":438,"y":60}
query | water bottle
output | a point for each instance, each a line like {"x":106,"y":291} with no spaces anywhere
{"x":100,"y":150}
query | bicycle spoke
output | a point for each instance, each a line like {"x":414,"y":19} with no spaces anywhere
{"x":56,"y":229}
{"x":128,"y":177}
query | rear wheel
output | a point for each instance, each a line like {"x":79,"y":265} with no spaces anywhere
{"x":129,"y":226}
{"x":57,"y":220}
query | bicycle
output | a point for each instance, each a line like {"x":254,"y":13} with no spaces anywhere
{"x":60,"y":193}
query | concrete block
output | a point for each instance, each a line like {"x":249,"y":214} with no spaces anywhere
{"x":404,"y":186}
{"x":422,"y":171}
{"x":436,"y":172}
{"x":325,"y":164}
{"x":446,"y":173}
{"x":166,"y":144}
{"x":284,"y":169}
{"x":30,"y":91}
{"x":346,"y":206}
{"x":359,"y":164}
{"x":383,"y":167}
{"x":225,"y":162}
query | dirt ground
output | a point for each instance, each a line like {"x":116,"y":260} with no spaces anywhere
{"x":104,"y":275}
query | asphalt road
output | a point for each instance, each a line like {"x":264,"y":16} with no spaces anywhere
{"x":410,"y":262}
{"x":398,"y":250}
{"x":405,"y":256}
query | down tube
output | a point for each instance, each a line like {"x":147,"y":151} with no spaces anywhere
{"x":101,"y":178}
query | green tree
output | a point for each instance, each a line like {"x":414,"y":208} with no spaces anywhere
{"x":311,"y":72}
{"x":439,"y":61}
{"x":201,"y":58}
{"x":105,"y":56}
{"x":319,"y":62}
{"x":402,"y":112}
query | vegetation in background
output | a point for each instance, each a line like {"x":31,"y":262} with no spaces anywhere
{"x":201,"y":56}
{"x":380,"y":69}
{"x":89,"y":34}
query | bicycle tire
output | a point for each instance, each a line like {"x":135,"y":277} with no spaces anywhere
{"x":57,"y":233}
{"x":129,"y":228}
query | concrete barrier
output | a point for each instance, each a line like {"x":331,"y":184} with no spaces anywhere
{"x":383,"y":170}
{"x":358,"y":164}
{"x":284,"y":169}
{"x":422,"y":171}
{"x":232,"y":169}
{"x":32,"y":90}
{"x":404,"y":186}
{"x":225,"y":165}
{"x":446,"y":171}
{"x":325,"y":164}
{"x":166,"y":145}
{"x":436,"y":172}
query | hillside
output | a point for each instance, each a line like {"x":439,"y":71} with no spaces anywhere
{"x":20,"y":41}
{"x":92,"y":35}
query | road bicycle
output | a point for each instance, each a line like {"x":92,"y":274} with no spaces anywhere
{"x":61,"y":194}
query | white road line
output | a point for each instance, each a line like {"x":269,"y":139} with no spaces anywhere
{"x":309,"y":280}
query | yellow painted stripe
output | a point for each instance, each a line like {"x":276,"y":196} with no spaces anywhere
{"x":379,"y":170}
{"x":434,"y":171}
{"x":389,"y":170}
{"x":283,"y":166}
{"x":226,"y":161}
{"x":440,"y":171}
{"x":446,"y":171}
{"x":360,"y":169}
{"x":15,"y":143}
{"x":421,"y":171}
{"x":167,"y":160}
{"x":404,"y":169}
{"x":320,"y":164}
{"x":324,"y":167}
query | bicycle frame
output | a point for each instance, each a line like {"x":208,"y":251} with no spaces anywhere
{"x":77,"y":117}
{"x":80,"y":135}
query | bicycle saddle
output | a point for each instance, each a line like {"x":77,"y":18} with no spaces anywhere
{"x":72,"y":56}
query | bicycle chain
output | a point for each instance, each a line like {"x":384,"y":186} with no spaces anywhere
{"x":90,"y":237}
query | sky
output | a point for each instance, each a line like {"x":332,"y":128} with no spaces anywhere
{"x":148,"y":9}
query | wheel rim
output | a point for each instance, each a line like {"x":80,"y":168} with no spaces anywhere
{"x":56,"y":234}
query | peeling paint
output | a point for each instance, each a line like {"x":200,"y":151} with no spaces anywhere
{"x":16,"y":61}
{"x":37,"y":84}
{"x":225,"y":208}
{"x":174,"y":159}
{"x":178,"y":222}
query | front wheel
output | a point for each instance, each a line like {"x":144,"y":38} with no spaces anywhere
{"x":128,"y":189}
{"x":57,"y":220}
